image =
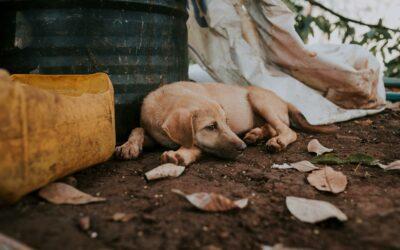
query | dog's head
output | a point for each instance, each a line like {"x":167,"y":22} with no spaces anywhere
{"x":205,"y":128}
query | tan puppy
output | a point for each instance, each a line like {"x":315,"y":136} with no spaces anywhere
{"x":192,"y":118}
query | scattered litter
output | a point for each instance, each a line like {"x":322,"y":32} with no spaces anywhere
{"x":364,"y":122}
{"x":123,"y":217}
{"x":61,"y":193}
{"x":302,"y":166}
{"x":8,"y":243}
{"x":313,"y":211}
{"x":281,"y":166}
{"x":332,"y":159}
{"x":392,"y":166}
{"x":327,"y":179}
{"x":314,"y":146}
{"x":84,"y":223}
{"x":163,"y":171}
{"x":212,"y":202}
{"x":348,"y":137}
{"x":395,"y":106}
{"x":280,"y":246}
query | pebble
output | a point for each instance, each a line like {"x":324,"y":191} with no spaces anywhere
{"x":93,"y":235}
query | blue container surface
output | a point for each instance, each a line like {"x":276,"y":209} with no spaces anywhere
{"x":392,"y":82}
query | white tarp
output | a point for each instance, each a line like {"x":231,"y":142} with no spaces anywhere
{"x":254,"y":42}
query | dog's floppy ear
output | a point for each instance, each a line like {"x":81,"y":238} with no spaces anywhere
{"x":179,"y":127}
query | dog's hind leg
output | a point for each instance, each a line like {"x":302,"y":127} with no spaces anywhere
{"x":183,"y":156}
{"x":276,"y":114}
{"x":132,"y":148}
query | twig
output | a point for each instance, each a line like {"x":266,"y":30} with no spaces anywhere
{"x":315,"y":3}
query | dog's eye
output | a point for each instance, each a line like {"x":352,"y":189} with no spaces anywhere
{"x":211,"y":127}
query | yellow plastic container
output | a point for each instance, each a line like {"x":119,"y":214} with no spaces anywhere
{"x":52,"y":126}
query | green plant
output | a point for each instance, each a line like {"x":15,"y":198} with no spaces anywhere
{"x":380,"y":39}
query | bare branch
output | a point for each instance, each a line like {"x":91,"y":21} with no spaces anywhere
{"x":347,"y":19}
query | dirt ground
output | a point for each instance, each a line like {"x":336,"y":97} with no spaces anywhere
{"x":163,"y":220}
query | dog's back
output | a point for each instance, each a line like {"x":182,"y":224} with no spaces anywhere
{"x":232,"y":98}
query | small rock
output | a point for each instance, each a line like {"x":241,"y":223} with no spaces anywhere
{"x":93,"y":235}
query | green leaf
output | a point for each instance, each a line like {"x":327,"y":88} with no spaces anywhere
{"x":328,"y":159}
{"x":361,"y":159}
{"x":381,"y":40}
{"x":370,"y":34}
{"x":332,"y":159}
{"x":373,"y":50}
{"x":293,"y":6}
{"x":323,"y":24}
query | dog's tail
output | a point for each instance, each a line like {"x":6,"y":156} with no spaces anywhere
{"x":299,"y":121}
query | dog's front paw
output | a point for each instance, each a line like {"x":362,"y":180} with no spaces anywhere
{"x":175,"y":157}
{"x":128,"y":151}
{"x":253,"y":136}
{"x":275,"y":144}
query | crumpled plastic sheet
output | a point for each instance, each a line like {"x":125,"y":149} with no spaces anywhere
{"x":253,"y":42}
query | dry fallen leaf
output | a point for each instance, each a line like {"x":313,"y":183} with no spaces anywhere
{"x":61,"y":193}
{"x":84,"y":223}
{"x":212,"y":202}
{"x":165,"y":170}
{"x":315,"y":147}
{"x":123,"y":217}
{"x":8,"y":243}
{"x":392,"y":166}
{"x":327,"y":179}
{"x":304,"y":166}
{"x":312,"y":211}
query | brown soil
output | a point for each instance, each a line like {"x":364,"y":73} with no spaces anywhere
{"x":165,"y":221}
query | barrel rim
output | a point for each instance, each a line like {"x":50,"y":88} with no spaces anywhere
{"x":151,"y":6}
